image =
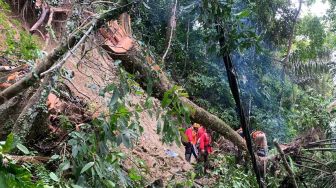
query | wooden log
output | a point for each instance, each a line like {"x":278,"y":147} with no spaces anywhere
{"x":136,"y":62}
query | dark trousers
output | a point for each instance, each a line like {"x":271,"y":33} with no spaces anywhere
{"x":204,"y":159}
{"x":189,"y":150}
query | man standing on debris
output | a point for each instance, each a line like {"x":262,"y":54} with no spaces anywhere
{"x":260,"y":143}
{"x":205,"y":148}
{"x":259,"y":140}
{"x":190,"y":145}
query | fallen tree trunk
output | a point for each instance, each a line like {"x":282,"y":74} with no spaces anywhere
{"x":135,"y":62}
{"x":32,"y":119}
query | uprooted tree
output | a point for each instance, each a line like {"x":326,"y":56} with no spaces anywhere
{"x":133,"y":60}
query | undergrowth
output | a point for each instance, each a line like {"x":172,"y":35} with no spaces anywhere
{"x":19,"y":45}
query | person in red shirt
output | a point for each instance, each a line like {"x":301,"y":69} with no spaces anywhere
{"x":205,"y":148}
{"x":200,"y":133}
{"x":190,"y":148}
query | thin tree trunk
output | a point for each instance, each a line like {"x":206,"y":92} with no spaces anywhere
{"x":290,"y":41}
{"x":232,"y":78}
{"x":287,"y":167}
{"x":172,"y":26}
{"x":57,"y":54}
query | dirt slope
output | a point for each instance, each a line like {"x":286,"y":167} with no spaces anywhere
{"x":88,"y":76}
{"x":94,"y":74}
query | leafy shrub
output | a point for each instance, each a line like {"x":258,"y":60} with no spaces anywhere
{"x":12,"y":174}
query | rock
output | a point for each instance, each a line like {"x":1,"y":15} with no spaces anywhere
{"x":186,"y":167}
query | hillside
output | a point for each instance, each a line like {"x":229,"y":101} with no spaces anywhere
{"x":87,"y":80}
{"x":100,"y":94}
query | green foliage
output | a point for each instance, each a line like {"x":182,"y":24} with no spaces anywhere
{"x":175,"y":113}
{"x":12,"y":174}
{"x":233,"y":19}
{"x":19,"y":45}
{"x":95,"y":158}
{"x":321,"y":164}
{"x":309,"y":111}
{"x":4,"y":6}
{"x":189,"y":182}
{"x":311,"y":38}
{"x":24,"y":47}
{"x":230,"y":174}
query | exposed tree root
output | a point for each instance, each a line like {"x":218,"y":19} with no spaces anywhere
{"x":49,"y":28}
{"x":45,"y":11}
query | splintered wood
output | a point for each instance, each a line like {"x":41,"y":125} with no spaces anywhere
{"x":118,"y":37}
{"x":119,"y":40}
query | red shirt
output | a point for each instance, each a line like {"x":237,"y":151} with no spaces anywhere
{"x":205,"y":141}
{"x":200,"y":132}
{"x":191,"y":134}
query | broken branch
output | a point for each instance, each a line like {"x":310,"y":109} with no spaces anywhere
{"x":45,"y":10}
{"x":172,"y":26}
{"x":70,"y":52}
{"x":287,"y":167}
{"x":28,"y":159}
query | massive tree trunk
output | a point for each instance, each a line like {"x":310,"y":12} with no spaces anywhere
{"x":137,"y":62}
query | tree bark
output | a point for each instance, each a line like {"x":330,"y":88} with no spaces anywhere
{"x":32,"y":120}
{"x":45,"y":11}
{"x":10,"y":111}
{"x":290,"y":40}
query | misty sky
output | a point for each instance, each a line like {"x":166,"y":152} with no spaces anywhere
{"x":319,"y":8}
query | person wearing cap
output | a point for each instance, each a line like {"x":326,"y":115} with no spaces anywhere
{"x":190,"y":148}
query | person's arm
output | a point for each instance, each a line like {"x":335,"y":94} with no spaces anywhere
{"x":202,"y":144}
